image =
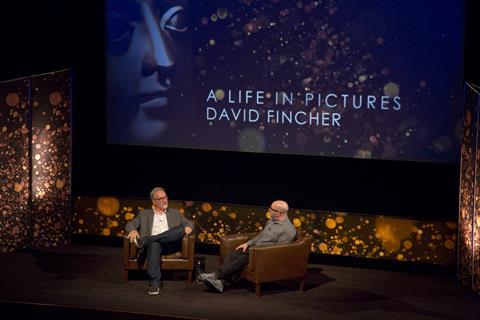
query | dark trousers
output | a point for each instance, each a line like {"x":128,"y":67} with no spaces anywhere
{"x":234,"y":263}
{"x":163,"y":243}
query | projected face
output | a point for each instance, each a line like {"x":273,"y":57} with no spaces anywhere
{"x":148,"y":48}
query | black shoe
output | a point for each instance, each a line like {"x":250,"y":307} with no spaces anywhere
{"x":235,"y":279}
{"x":153,"y":290}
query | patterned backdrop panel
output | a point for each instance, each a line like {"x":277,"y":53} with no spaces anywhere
{"x":476,"y":249}
{"x":334,"y":233}
{"x":473,"y":97}
{"x":14,"y":165}
{"x":467,"y":186}
{"x":51,"y":153}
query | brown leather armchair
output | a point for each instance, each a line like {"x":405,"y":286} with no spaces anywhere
{"x":182,"y":260}
{"x":271,"y":263}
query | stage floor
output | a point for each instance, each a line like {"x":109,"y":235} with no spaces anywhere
{"x":92,"y":277}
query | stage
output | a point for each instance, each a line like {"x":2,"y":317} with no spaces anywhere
{"x":86,"y":281}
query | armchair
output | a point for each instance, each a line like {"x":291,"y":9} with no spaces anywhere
{"x":271,"y":263}
{"x":182,"y":260}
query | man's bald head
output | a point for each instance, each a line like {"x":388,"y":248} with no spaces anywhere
{"x":280,"y":205}
{"x":278,"y":210}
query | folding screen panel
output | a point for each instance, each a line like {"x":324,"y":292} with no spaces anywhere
{"x":15,"y":231}
{"x":469,"y":215}
{"x":35,"y":165}
{"x":51,"y":141}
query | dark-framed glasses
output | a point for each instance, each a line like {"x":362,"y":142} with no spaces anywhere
{"x":275,"y":211}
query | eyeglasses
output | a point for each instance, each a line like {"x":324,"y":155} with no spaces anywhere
{"x":161,"y":198}
{"x":275,"y":211}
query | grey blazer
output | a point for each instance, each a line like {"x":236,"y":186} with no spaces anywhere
{"x":144,"y":221}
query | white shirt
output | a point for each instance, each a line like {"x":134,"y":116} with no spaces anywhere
{"x":160,"y":223}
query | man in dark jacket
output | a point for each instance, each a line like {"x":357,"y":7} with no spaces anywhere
{"x":161,"y":230}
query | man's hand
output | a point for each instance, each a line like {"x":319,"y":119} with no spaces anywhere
{"x":243,"y":246}
{"x":133,"y":235}
{"x":188,"y":230}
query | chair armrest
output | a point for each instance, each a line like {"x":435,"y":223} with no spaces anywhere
{"x":188,"y":245}
{"x":277,"y":262}
{"x":129,"y":251}
{"x":230,"y":242}
{"x":187,"y":241}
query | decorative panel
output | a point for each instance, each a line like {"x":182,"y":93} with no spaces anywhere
{"x":469,"y":216}
{"x":51,"y":145}
{"x":333,"y":233}
{"x":15,"y":228}
{"x":474,"y":223}
{"x":35,"y":166}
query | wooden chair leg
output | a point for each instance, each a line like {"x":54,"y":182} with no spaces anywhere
{"x":190,"y":276}
{"x":125,"y":275}
{"x":302,"y":284}
{"x":258,"y":289}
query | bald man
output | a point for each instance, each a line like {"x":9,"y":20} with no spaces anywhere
{"x":278,"y":230}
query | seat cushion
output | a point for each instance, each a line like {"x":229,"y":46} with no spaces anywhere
{"x":175,"y":255}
